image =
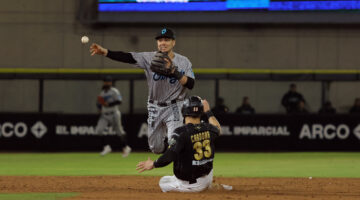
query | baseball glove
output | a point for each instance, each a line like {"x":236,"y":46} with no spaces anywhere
{"x":101,"y":100}
{"x":159,"y":64}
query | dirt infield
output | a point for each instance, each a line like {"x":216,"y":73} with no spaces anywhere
{"x":146,"y":188}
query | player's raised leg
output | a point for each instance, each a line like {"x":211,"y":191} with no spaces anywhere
{"x":174,"y":118}
{"x":156,"y":138}
{"x":156,"y":128}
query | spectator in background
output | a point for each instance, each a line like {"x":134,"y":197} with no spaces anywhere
{"x":292,"y":99}
{"x":220,"y":107}
{"x":327,"y":108}
{"x":300,"y":109}
{"x":356,"y":107}
{"x":245,"y":107}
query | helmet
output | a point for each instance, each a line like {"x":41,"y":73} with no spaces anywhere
{"x":192,"y":107}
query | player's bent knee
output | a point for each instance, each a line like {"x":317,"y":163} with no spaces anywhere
{"x":163,"y":185}
{"x":165,"y":179}
{"x":166,"y":184}
{"x":157,"y":150}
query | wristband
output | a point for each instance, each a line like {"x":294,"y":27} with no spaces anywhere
{"x":154,"y":164}
{"x":178,"y":75}
{"x":209,"y":114}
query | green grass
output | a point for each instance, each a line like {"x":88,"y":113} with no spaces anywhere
{"x":36,"y":196}
{"x":288,"y":165}
{"x":73,"y":164}
{"x":225,"y":164}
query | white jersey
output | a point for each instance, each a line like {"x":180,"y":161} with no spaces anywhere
{"x":110,"y":96}
{"x":162,"y":88}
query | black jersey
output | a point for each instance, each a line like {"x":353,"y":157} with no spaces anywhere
{"x":195,"y":149}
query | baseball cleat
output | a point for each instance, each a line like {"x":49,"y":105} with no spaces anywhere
{"x":107,"y":149}
{"x":227,"y":187}
{"x":126,"y":151}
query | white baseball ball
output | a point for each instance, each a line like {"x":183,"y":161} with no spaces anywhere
{"x":310,"y":177}
{"x":84,"y":39}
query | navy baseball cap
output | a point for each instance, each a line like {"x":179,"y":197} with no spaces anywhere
{"x":108,"y":79}
{"x":165,"y":33}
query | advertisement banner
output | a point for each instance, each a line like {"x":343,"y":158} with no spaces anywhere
{"x":76,"y":132}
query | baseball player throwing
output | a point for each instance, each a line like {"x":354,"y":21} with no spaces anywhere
{"x":191,"y":149}
{"x":107,"y":102}
{"x":169,"y":75}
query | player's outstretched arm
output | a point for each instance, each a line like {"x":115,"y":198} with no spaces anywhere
{"x":212,"y":119}
{"x":145,"y":165}
{"x":164,"y":160}
{"x":97,"y":49}
{"x":114,"y":55}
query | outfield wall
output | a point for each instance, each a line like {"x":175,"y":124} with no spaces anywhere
{"x":65,"y":132}
{"x":46,"y":34}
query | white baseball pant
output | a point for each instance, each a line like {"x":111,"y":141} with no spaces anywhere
{"x":162,"y":121}
{"x":173,"y":184}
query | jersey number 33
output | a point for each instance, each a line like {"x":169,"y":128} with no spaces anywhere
{"x":202,"y":149}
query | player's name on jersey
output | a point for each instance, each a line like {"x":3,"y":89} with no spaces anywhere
{"x":80,"y":130}
{"x":200,"y":136}
{"x":201,"y":162}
